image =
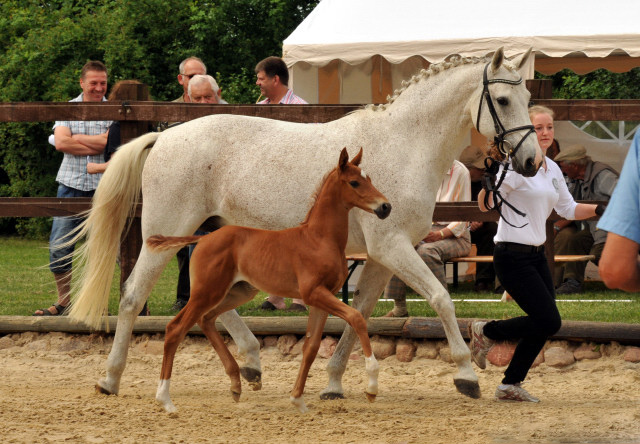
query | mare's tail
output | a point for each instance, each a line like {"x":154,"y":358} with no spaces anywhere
{"x":162,"y":243}
{"x":115,"y":200}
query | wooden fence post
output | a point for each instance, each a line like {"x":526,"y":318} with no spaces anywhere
{"x":131,"y":241}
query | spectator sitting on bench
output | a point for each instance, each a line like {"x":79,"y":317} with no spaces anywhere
{"x":445,"y":241}
{"x":589,"y":180}
{"x":482,"y":233}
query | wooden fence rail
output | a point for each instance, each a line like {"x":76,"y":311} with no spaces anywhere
{"x":134,"y":114}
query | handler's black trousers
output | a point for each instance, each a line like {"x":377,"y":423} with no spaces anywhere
{"x":527,"y":278}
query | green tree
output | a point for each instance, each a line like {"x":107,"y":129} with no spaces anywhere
{"x":598,"y":84}
{"x":43,"y":46}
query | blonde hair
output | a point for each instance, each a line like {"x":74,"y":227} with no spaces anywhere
{"x":539,"y":109}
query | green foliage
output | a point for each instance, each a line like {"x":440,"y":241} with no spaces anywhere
{"x":598,"y":84}
{"x":43,"y":46}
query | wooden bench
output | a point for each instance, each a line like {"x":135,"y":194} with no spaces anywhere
{"x":359,"y":259}
{"x":485,"y":259}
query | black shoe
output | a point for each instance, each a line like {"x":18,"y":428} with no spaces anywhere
{"x":179,"y":305}
{"x":570,"y":286}
{"x":266,"y":305}
{"x":499,"y":290}
{"x":481,"y":287}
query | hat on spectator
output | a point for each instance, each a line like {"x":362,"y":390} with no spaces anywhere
{"x":473,"y":156}
{"x":570,"y":153}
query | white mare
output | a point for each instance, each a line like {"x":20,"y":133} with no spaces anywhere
{"x":248,"y":171}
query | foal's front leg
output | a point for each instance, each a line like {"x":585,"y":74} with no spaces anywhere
{"x":315,"y":326}
{"x":328,"y":302}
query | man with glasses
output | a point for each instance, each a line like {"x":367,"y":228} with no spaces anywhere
{"x":189,"y":67}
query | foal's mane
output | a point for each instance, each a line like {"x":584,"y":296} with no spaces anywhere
{"x":315,"y":194}
{"x":434,"y":69}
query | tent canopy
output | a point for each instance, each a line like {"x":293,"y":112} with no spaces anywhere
{"x":341,"y":37}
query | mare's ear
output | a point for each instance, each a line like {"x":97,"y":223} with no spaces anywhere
{"x":356,"y":160}
{"x":344,"y":158}
{"x":496,"y":61}
{"x":520,"y":61}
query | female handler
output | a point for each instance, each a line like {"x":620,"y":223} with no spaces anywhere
{"x":521,"y":265}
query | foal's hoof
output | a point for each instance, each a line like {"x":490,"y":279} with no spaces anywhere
{"x":370,"y":396}
{"x":330,"y":396}
{"x":468,"y":388}
{"x":102,"y":390}
{"x":235,"y":396}
{"x":252,"y":376}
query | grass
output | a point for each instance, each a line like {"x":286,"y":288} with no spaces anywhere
{"x":26,"y":285}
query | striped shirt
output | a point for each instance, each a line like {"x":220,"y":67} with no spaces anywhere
{"x":73,"y":170}
{"x":289,"y":99}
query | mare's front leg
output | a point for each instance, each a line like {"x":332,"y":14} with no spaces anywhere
{"x":137,"y":288}
{"x":315,"y":326}
{"x":373,"y":279}
{"x":323,"y":299}
{"x":407,"y":264}
{"x":248,"y":345}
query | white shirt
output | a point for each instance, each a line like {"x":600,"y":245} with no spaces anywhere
{"x":535,"y":196}
{"x":455,"y":187}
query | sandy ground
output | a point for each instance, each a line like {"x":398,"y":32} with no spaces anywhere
{"x":47,"y":395}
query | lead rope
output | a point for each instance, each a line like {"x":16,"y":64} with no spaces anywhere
{"x":491,"y":188}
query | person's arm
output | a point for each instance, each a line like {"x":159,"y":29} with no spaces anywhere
{"x":96,"y":168}
{"x":619,"y":266}
{"x":585,"y":211}
{"x":67,"y":144}
{"x":97,"y":142}
{"x":481,"y":205}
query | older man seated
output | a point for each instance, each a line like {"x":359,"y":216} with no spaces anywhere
{"x":588,"y":180}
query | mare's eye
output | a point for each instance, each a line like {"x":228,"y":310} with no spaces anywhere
{"x":502,"y":101}
{"x":354,"y":183}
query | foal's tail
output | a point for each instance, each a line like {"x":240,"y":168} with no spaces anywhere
{"x":162,"y":243}
{"x":115,"y":200}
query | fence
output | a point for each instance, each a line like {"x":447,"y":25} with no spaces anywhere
{"x":134,"y":114}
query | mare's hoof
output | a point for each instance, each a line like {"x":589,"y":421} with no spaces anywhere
{"x":468,"y":388}
{"x":370,"y":397}
{"x":235,"y":396}
{"x":252,"y":376}
{"x":330,"y":396}
{"x":102,"y":390}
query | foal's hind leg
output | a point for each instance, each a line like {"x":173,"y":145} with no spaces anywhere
{"x":137,"y":289}
{"x":315,"y":326}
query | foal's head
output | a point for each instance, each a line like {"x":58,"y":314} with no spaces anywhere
{"x":357,"y":189}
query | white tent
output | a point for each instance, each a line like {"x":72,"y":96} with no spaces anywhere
{"x":358,"y":51}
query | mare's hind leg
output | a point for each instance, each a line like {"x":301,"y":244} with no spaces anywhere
{"x":315,"y":326}
{"x":323,"y":299}
{"x":137,"y":289}
{"x":372,"y":281}
{"x":248,"y":345}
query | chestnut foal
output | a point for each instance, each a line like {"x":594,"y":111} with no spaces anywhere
{"x":307,"y":262}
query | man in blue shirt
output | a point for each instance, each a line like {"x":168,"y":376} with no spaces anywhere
{"x":619,"y":266}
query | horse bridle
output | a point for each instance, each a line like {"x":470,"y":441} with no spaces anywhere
{"x":500,"y":141}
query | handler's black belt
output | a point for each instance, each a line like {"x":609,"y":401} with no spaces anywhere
{"x":521,"y":248}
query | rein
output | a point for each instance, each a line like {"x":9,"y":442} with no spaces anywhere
{"x":505,"y":147}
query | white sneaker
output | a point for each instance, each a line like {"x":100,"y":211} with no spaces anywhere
{"x":514,"y":392}
{"x":479,"y":343}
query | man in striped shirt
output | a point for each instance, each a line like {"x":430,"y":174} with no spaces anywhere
{"x":81,"y":142}
{"x":273,"y":80}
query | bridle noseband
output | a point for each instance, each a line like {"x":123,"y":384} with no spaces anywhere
{"x":500,"y":141}
{"x":501,"y":132}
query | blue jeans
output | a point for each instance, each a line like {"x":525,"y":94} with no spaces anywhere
{"x":62,"y":226}
{"x":527,"y":278}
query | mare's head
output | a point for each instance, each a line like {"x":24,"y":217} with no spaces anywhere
{"x":357,"y":189}
{"x":499,"y":109}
